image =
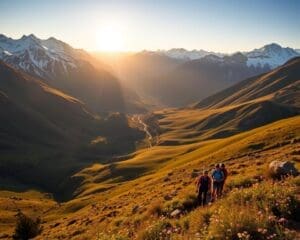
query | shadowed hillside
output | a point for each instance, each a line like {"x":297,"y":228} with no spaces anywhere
{"x":45,"y":132}
{"x":73,"y":71}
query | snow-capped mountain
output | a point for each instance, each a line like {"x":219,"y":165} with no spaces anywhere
{"x":271,"y":54}
{"x":48,"y":58}
{"x":183,"y":54}
{"x":72,"y":71}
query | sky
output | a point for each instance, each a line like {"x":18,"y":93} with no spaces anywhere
{"x":134,"y":25}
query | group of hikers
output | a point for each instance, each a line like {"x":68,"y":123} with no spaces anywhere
{"x":214,"y":184}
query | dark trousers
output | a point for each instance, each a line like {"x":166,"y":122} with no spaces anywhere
{"x":221,"y":187}
{"x":202,"y":195}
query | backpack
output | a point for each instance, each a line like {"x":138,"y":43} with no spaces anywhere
{"x":225,"y":172}
{"x":218,"y":175}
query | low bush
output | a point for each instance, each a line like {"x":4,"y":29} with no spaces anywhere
{"x":26,"y":227}
{"x":241,"y":183}
{"x":258,"y":212}
{"x":245,"y":223}
{"x":155,"y":209}
{"x":190,"y":201}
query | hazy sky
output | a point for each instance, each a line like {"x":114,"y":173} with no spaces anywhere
{"x":225,"y":26}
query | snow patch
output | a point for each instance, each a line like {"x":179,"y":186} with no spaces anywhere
{"x":7,"y":53}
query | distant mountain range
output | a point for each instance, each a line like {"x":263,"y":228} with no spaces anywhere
{"x":179,"y":77}
{"x":271,"y":55}
{"x":175,"y":77}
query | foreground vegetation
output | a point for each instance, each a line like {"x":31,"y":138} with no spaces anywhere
{"x":262,"y":211}
{"x":134,"y":198}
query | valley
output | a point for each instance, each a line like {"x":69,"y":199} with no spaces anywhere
{"x":129,"y":172}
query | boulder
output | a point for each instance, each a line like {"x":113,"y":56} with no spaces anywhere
{"x":175,"y":213}
{"x":279,"y":169}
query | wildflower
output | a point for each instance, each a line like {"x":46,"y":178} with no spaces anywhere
{"x":282,"y":220}
{"x":272,"y":218}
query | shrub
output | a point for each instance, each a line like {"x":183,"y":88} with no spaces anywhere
{"x":200,"y":220}
{"x":161,"y":230}
{"x":103,"y":236}
{"x":245,"y":223}
{"x":26,"y":227}
{"x":190,"y":202}
{"x":171,"y":206}
{"x":241,"y":183}
{"x":155,"y":209}
{"x":258,"y":212}
{"x":279,"y":198}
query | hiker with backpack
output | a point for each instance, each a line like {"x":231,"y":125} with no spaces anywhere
{"x":203,"y":184}
{"x":225,"y":173}
{"x":217,"y":177}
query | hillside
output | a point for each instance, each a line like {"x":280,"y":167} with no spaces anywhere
{"x":129,"y":197}
{"x":162,"y":177}
{"x":47,"y":133}
{"x":278,"y":85}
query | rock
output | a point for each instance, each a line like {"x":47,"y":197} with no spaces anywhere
{"x":5,"y":236}
{"x":168,"y":197}
{"x":55,"y":225}
{"x":279,"y":169}
{"x":112,"y":214}
{"x":166,"y":179}
{"x":72,"y":222}
{"x":135,"y":209}
{"x":175,"y":213}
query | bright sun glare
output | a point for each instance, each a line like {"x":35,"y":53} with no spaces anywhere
{"x":110,"y":38}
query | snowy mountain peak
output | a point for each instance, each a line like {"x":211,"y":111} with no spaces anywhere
{"x":48,"y":58}
{"x":181,"y":53}
{"x":30,"y":36}
{"x":272,"y":47}
{"x":268,"y":56}
{"x":272,"y":55}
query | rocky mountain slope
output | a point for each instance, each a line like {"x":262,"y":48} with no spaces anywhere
{"x":73,"y":71}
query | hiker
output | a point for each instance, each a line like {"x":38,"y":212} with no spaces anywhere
{"x":217,"y":177}
{"x":225,"y":173}
{"x":203,"y":184}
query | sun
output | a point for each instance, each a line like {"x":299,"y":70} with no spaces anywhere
{"x":110,"y":38}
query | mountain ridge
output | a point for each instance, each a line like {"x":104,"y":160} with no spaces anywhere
{"x":252,"y":88}
{"x":73,"y":71}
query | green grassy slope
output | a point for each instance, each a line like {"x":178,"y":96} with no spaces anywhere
{"x":106,"y":201}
